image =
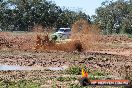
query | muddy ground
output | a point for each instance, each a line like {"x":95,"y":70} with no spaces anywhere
{"x":111,"y":55}
{"x":103,"y":61}
{"x":118,"y":66}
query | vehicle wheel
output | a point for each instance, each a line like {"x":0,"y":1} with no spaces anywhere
{"x":64,"y":37}
{"x":54,"y":37}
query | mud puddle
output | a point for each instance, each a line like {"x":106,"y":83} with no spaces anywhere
{"x":17,"y":67}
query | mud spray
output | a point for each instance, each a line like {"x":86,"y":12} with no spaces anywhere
{"x":88,"y":34}
{"x":84,"y":35}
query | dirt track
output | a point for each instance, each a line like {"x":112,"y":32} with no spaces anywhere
{"x":111,"y":54}
{"x":115,"y":64}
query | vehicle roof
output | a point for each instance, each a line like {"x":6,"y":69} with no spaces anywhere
{"x":64,"y":28}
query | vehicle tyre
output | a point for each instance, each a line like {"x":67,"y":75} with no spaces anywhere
{"x":54,"y":37}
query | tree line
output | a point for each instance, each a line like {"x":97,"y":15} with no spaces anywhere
{"x":23,"y":15}
{"x":114,"y":17}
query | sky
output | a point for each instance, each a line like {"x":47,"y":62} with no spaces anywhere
{"x":88,"y":6}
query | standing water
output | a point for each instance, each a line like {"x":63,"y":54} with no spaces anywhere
{"x":16,"y":67}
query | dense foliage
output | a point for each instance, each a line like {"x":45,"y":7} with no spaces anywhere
{"x":22,"y":15}
{"x":115,"y":17}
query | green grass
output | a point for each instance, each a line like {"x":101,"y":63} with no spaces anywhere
{"x":64,"y":79}
{"x":76,"y":70}
{"x":78,"y":86}
{"x":75,"y":86}
{"x":19,"y":84}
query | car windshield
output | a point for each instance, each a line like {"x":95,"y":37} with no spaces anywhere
{"x":62,"y":30}
{"x":65,"y":30}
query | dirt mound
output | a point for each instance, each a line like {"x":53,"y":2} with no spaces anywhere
{"x":15,"y":42}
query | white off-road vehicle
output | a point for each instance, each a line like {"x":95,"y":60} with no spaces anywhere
{"x":62,"y":33}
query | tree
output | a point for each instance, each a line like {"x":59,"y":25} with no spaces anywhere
{"x":22,"y":15}
{"x":114,"y":17}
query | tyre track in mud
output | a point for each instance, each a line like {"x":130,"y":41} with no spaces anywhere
{"x":114,"y":64}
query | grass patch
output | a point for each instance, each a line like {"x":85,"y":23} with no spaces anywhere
{"x":19,"y":84}
{"x":78,"y":86}
{"x":64,"y":79}
{"x":75,"y":86}
{"x":74,"y":70}
{"x":93,"y":74}
{"x":98,"y":73}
